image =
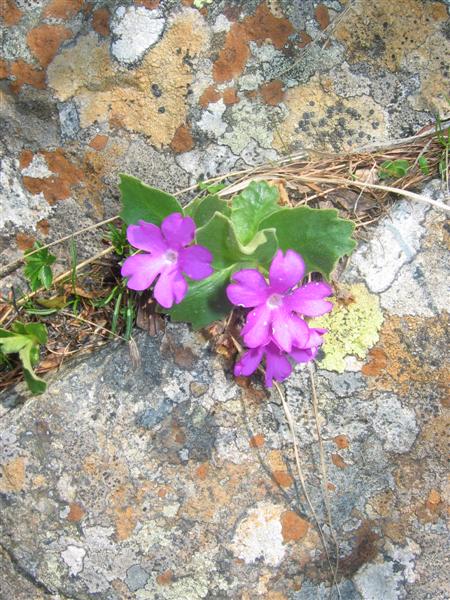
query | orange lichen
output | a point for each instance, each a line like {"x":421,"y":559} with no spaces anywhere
{"x":233,"y":56}
{"x":99,"y":142}
{"x":304,"y":39}
{"x":293,"y":527}
{"x":272,"y":92}
{"x":282,"y":478}
{"x":322,"y":16}
{"x":44,"y":41}
{"x":209,"y":95}
{"x":4,"y":69}
{"x":338,"y":461}
{"x":230,"y":96}
{"x":76,"y":512}
{"x":100,"y":21}
{"x":257,"y":441}
{"x":58,"y":186}
{"x":202,"y":471}
{"x":263,"y":26}
{"x":377,"y":362}
{"x":383,"y":38}
{"x":165,"y":578}
{"x":13,"y":475}
{"x":126,"y":520}
{"x":150,"y":4}
{"x":122,"y":97}
{"x":62,"y":9}
{"x":434,"y":500}
{"x":26,"y":74}
{"x":25,"y":158}
{"x":182,"y":140}
{"x":24,"y":241}
{"x":341,"y":441}
{"x":260,"y":27}
{"x":9,"y":12}
{"x":43,"y":226}
{"x":403,"y":369}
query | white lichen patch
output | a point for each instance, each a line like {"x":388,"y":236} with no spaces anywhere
{"x":136,"y":29}
{"x":259,"y":535}
{"x":211,"y":120}
{"x":37,"y":168}
{"x":396,"y":243}
{"x":18,"y":206}
{"x":253,"y":125}
{"x":73,"y":556}
{"x":200,"y":577}
{"x":394,"y":424}
{"x":213,"y":160}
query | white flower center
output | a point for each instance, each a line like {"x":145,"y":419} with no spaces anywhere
{"x":275,"y":301}
{"x":171,"y":256}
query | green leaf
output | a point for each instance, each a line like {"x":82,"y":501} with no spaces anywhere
{"x":219,"y":236}
{"x":203,"y":209}
{"x":35,"y":384}
{"x":24,"y":339}
{"x":319,"y":235}
{"x":251,"y":206}
{"x":206,"y":300}
{"x":423,"y":165}
{"x":140,"y":201}
{"x":38,"y":267}
{"x":393,"y":169}
{"x":118,"y":238}
{"x":211,"y":188}
{"x":46,"y":276}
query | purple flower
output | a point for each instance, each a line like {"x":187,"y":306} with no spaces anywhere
{"x":278,"y":366}
{"x":276,"y":304}
{"x":167,"y":256}
{"x":309,"y":352}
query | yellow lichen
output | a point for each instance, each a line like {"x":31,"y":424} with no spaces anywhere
{"x":317,"y":101}
{"x":105,"y":92}
{"x":352,"y":328}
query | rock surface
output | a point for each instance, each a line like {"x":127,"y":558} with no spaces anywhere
{"x":171,"y":481}
{"x":174,"y":91}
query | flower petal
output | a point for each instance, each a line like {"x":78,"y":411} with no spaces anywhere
{"x":170,"y":288}
{"x":288,"y":329}
{"x":250,"y":288}
{"x":286,"y":271}
{"x":277,"y":365}
{"x":141,"y":270}
{"x":308,"y":300}
{"x":146,"y":236}
{"x":309,"y":352}
{"x":196,"y":261}
{"x":249,"y":362}
{"x":256,"y":331}
{"x":178,"y":230}
{"x":303,"y":355}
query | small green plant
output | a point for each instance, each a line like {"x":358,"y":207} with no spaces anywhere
{"x":211,"y":188}
{"x":118,"y":238}
{"x":244,"y":233}
{"x":24,"y":339}
{"x":73,"y":262}
{"x":423,"y":165}
{"x":444,"y":140}
{"x":393,"y":169}
{"x":38,"y":269}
